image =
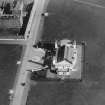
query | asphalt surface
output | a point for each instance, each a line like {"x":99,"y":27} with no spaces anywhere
{"x":9,"y":55}
{"x":22,"y":82}
{"x":83,"y":22}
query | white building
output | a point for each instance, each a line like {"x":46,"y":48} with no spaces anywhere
{"x":66,"y":56}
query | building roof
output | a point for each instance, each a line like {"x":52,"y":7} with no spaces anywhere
{"x":67,"y":53}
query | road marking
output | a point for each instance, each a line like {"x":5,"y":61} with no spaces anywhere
{"x":90,"y":4}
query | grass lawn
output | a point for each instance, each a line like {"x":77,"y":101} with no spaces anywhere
{"x":9,"y":55}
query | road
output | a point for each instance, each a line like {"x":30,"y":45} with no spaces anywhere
{"x":83,"y":22}
{"x":21,"y":91}
{"x":13,"y":41}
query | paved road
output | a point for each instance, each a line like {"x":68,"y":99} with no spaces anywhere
{"x":78,"y":21}
{"x":21,"y":91}
{"x":13,"y":41}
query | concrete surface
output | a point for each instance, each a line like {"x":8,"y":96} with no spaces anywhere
{"x":22,"y":85}
{"x":82,"y":22}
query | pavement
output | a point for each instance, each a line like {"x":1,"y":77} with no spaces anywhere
{"x":84,"y":22}
{"x":13,"y":41}
{"x":22,"y":85}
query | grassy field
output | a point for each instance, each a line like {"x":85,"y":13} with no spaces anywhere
{"x":83,"y":22}
{"x":9,"y":55}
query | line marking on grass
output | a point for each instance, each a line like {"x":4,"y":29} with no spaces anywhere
{"x":90,"y":4}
